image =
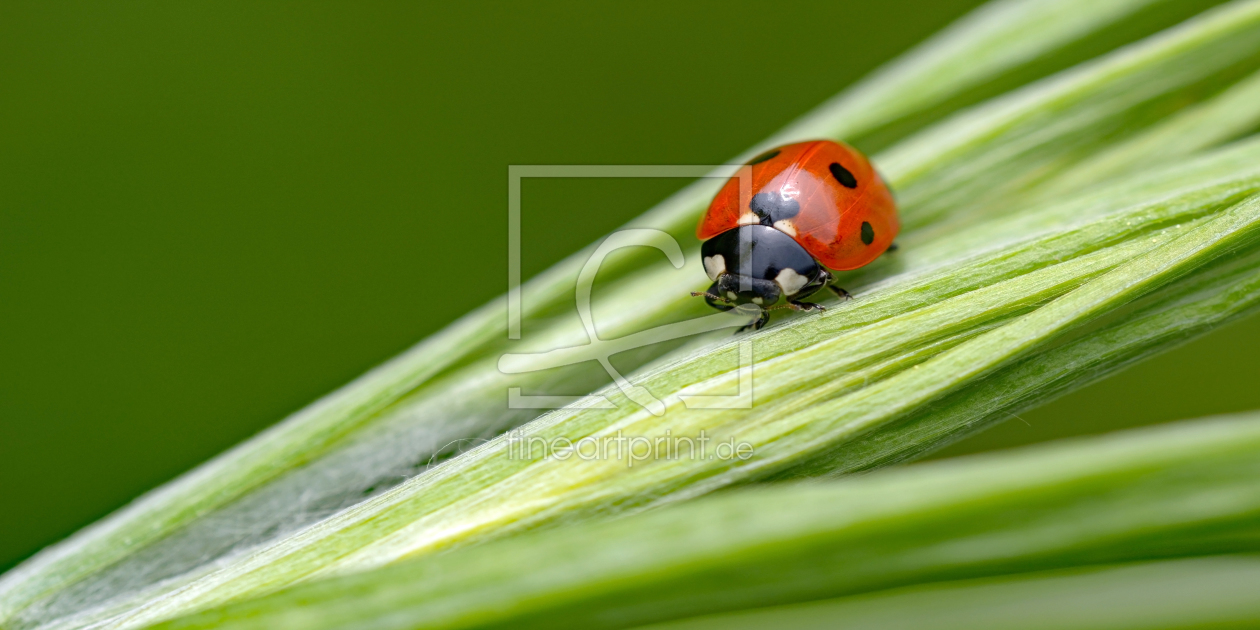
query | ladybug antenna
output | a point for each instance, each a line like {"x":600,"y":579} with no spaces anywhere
{"x":710,"y":296}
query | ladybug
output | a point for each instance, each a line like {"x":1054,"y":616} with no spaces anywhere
{"x":813,"y":207}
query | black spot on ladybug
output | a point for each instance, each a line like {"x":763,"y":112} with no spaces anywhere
{"x":843,"y":175}
{"x":771,"y":207}
{"x":868,"y":233}
{"x":768,"y":155}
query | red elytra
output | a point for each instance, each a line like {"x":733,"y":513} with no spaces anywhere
{"x":843,"y":202}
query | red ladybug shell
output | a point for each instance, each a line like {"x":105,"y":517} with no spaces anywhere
{"x":847,"y":215}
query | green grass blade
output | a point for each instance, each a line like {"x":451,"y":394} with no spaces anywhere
{"x":987,"y":42}
{"x":1168,"y":317}
{"x":977,"y":294}
{"x":311,"y":432}
{"x":991,"y":153}
{"x":1215,"y":592}
{"x":488,"y":493}
{"x":1219,"y":119}
{"x":1173,"y":490}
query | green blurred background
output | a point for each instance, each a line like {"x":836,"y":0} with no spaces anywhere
{"x":213,"y":213}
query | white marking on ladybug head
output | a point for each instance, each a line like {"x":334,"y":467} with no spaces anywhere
{"x":790,"y":281}
{"x":756,"y":300}
{"x":715,"y":266}
{"x":749,"y":218}
{"x":731,"y":295}
{"x":786,"y":226}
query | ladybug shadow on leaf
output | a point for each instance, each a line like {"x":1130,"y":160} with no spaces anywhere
{"x":886,"y":266}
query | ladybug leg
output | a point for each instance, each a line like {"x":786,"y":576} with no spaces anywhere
{"x":892,"y":247}
{"x":826,"y":278}
{"x":805,"y":306}
{"x":795,"y":301}
{"x":840,"y":293}
{"x":757,"y":325}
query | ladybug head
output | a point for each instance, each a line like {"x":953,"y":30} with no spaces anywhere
{"x":756,"y":264}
